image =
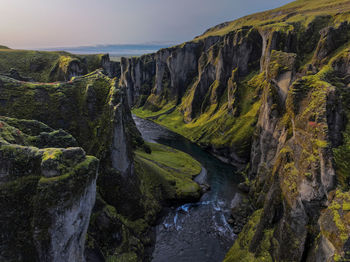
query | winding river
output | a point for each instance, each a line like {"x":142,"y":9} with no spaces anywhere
{"x":195,"y":232}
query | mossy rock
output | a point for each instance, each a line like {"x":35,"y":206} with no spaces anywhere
{"x":35,"y":193}
{"x":45,"y":66}
{"x":335,"y":224}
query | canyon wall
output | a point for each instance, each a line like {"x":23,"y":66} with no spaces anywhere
{"x":46,"y":193}
{"x":272,"y":100}
{"x":92,"y":115}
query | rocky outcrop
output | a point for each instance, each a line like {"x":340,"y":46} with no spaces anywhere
{"x":111,"y":68}
{"x":52,"y":66}
{"x":47,"y":194}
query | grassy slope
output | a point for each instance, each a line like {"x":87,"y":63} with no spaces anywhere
{"x":170,"y":169}
{"x":298,"y":11}
{"x":39,"y":64}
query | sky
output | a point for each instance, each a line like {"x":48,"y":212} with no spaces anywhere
{"x":66,"y":23}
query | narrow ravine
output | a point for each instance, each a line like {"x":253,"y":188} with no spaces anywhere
{"x":195,"y":231}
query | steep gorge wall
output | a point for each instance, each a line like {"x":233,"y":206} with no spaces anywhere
{"x":297,"y":77}
{"x":130,"y":190}
{"x":96,"y":112}
{"x":295,"y":180}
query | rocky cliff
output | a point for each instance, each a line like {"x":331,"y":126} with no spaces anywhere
{"x":268,"y":92}
{"x":93,"y":109}
{"x":46,"y":193}
{"x":131,"y":190}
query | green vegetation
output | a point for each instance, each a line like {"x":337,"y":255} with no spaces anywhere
{"x":171,"y":169}
{"x":29,"y":197}
{"x":217,"y":126}
{"x":335,"y":220}
{"x":45,"y":66}
{"x":146,"y":113}
{"x":240,"y":250}
{"x":69,"y":105}
{"x":298,"y":12}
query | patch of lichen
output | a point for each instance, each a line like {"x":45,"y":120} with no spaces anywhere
{"x":306,"y":119}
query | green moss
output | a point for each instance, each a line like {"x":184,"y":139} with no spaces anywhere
{"x":82,"y":107}
{"x":280,"y":62}
{"x":27,"y":196}
{"x":44,"y":66}
{"x":144,"y":113}
{"x":52,"y":154}
{"x":335,"y":220}
{"x":240,"y":250}
{"x":172,"y":169}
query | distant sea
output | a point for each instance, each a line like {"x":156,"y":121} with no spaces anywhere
{"x":114,"y":51}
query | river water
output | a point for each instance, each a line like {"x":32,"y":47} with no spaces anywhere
{"x":195,"y":232}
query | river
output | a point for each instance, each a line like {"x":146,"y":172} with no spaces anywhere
{"x":195,"y":232}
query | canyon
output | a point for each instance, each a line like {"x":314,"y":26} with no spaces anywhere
{"x":267,"y":94}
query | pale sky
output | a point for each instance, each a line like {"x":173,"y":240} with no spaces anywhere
{"x":61,"y":23}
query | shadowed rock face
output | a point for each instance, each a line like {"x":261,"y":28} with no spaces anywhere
{"x":47,"y":194}
{"x":95,"y":111}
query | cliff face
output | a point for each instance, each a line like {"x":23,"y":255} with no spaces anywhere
{"x":191,"y":81}
{"x":94,"y":110}
{"x":130,"y":190}
{"x":273,"y":96}
{"x":46,"y":193}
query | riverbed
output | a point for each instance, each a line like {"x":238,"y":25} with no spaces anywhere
{"x":195,"y":232}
